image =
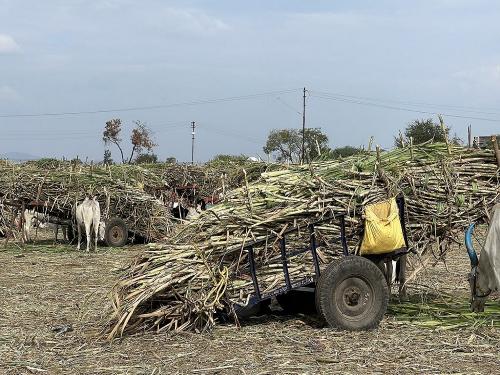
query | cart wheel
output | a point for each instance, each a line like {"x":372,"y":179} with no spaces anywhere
{"x":296,"y":301}
{"x":116,"y":233}
{"x":319,"y":283}
{"x":353,"y":294}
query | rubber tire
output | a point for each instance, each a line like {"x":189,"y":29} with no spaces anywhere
{"x":332,"y":265}
{"x":295,"y":302}
{"x":352,"y":272}
{"x":113,"y":238}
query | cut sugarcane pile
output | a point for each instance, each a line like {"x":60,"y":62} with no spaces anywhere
{"x":136,"y":193}
{"x":180,"y":284}
{"x":60,"y":188}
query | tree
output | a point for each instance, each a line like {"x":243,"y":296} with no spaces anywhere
{"x":286,"y":144}
{"x":141,"y":138}
{"x":316,"y":144}
{"x":107,"y":160}
{"x":226,"y":159}
{"x":111,"y":134}
{"x":171,"y":160}
{"x":423,"y":131}
{"x":146,"y":159}
{"x":344,"y":152}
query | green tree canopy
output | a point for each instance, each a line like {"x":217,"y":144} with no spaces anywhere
{"x":225,"y":159}
{"x":286,"y":144}
{"x":422,"y":131}
{"x":107,"y":160}
{"x":146,"y":159}
{"x":344,"y":152}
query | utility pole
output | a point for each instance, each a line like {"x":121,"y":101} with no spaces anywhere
{"x":303,"y":127}
{"x":193,"y":126}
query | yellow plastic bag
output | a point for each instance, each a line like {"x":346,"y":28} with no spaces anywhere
{"x":383,"y":231}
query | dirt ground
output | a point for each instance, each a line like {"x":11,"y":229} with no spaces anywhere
{"x":52,"y":299}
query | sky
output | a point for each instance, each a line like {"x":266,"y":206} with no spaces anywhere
{"x":238,"y":68}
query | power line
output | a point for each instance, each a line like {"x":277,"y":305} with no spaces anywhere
{"x":72,"y":135}
{"x":148,"y":107}
{"x":281,"y":101}
{"x":227,"y":133}
{"x":365,"y":103}
{"x":480,"y":110}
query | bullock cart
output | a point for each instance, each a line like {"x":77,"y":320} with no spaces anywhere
{"x":351,"y":293}
{"x":129,"y":212}
{"x":117,"y":232}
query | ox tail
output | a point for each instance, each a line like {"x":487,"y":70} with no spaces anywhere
{"x":474,"y":261}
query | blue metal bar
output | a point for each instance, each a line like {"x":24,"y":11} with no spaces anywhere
{"x":285,"y":264}
{"x":401,"y":206}
{"x":343,"y":240}
{"x":251,"y":261}
{"x":313,"y":250}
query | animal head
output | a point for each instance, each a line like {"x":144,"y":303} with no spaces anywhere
{"x":477,"y":296}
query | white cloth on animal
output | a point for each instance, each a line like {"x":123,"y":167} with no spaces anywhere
{"x":490,"y":257}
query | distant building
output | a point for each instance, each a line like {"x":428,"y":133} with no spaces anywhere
{"x":483,"y":141}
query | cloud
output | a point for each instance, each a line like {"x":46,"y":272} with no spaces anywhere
{"x":483,"y":74}
{"x":330,"y":19}
{"x":190,"y":21}
{"x":8,"y":94}
{"x":109,"y":4}
{"x":8,"y":44}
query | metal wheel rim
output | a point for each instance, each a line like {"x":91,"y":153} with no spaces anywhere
{"x":354,"y":298}
{"x":116,"y":234}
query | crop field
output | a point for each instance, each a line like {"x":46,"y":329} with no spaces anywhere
{"x":54,"y":300}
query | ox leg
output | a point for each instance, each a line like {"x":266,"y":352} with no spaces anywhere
{"x":87,"y":232}
{"x":79,"y":236}
{"x":25,"y":239}
{"x":401,"y":274}
{"x":56,"y":231}
{"x":27,"y":230}
{"x":65,"y":233}
{"x":389,"y":272}
{"x":96,"y":234}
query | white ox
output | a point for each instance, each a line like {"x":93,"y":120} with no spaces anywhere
{"x":55,"y":227}
{"x":30,"y":220}
{"x":484,"y":277}
{"x":33,"y":219}
{"x":88,"y":217}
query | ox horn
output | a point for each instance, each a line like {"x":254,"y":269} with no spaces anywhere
{"x":474,"y":261}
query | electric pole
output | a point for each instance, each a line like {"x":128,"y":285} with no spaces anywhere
{"x":303,"y":127}
{"x":193,"y":126}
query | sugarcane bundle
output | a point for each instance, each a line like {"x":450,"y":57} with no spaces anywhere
{"x":59,"y":189}
{"x":211,"y":179}
{"x":202,"y":267}
{"x":446,"y":314}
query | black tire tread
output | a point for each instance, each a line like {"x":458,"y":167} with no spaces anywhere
{"x":319,"y":283}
